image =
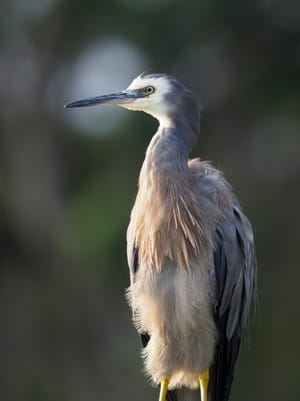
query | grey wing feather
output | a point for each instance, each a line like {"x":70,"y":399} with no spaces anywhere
{"x":235,"y":274}
{"x":236,"y":271}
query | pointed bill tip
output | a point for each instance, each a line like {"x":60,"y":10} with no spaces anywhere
{"x":81,"y":103}
{"x":117,"y":98}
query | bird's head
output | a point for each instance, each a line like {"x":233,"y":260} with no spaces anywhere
{"x":160,"y":95}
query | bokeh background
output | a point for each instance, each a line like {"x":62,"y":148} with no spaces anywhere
{"x":68,"y":180}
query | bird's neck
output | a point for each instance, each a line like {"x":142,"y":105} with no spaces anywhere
{"x":171,"y":145}
{"x":165,"y":168}
{"x":165,"y":153}
{"x":166,"y":217}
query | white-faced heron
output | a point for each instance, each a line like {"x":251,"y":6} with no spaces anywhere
{"x":190,"y":250}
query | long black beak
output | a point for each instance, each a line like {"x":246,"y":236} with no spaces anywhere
{"x":117,"y":98}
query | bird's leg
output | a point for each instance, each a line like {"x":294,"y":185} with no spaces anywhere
{"x":204,"y":379}
{"x":163,"y":388}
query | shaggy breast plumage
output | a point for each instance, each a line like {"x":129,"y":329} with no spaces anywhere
{"x":167,"y":218}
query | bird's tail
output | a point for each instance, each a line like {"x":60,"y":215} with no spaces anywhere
{"x":183,"y":394}
{"x":222,"y":369}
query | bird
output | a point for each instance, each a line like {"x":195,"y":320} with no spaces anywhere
{"x":190,"y":250}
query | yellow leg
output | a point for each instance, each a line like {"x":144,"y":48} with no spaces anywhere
{"x":163,"y":388}
{"x":204,"y":379}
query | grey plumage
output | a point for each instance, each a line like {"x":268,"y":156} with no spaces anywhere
{"x":190,"y":250}
{"x":234,"y":277}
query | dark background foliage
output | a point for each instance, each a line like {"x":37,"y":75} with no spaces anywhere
{"x":68,"y":180}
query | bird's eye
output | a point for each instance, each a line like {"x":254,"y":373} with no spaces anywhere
{"x":149,"y":90}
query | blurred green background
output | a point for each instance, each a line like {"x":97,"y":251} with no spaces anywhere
{"x":68,"y":181}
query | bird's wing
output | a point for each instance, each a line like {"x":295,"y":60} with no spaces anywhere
{"x":235,"y":276}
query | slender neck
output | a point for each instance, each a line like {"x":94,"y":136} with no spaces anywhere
{"x":171,"y":145}
{"x":166,"y":219}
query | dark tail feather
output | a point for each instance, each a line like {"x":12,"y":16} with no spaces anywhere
{"x":171,"y":395}
{"x":222,"y":369}
{"x":183,"y":394}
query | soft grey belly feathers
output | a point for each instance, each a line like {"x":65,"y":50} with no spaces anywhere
{"x":170,"y":306}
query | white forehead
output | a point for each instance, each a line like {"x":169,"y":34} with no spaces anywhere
{"x":161,"y":84}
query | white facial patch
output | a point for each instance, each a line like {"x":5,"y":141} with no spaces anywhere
{"x":155,"y":103}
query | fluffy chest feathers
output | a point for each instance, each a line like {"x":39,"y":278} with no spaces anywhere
{"x":168,"y":219}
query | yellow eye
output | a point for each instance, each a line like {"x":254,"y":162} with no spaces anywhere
{"x":149,"y":90}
